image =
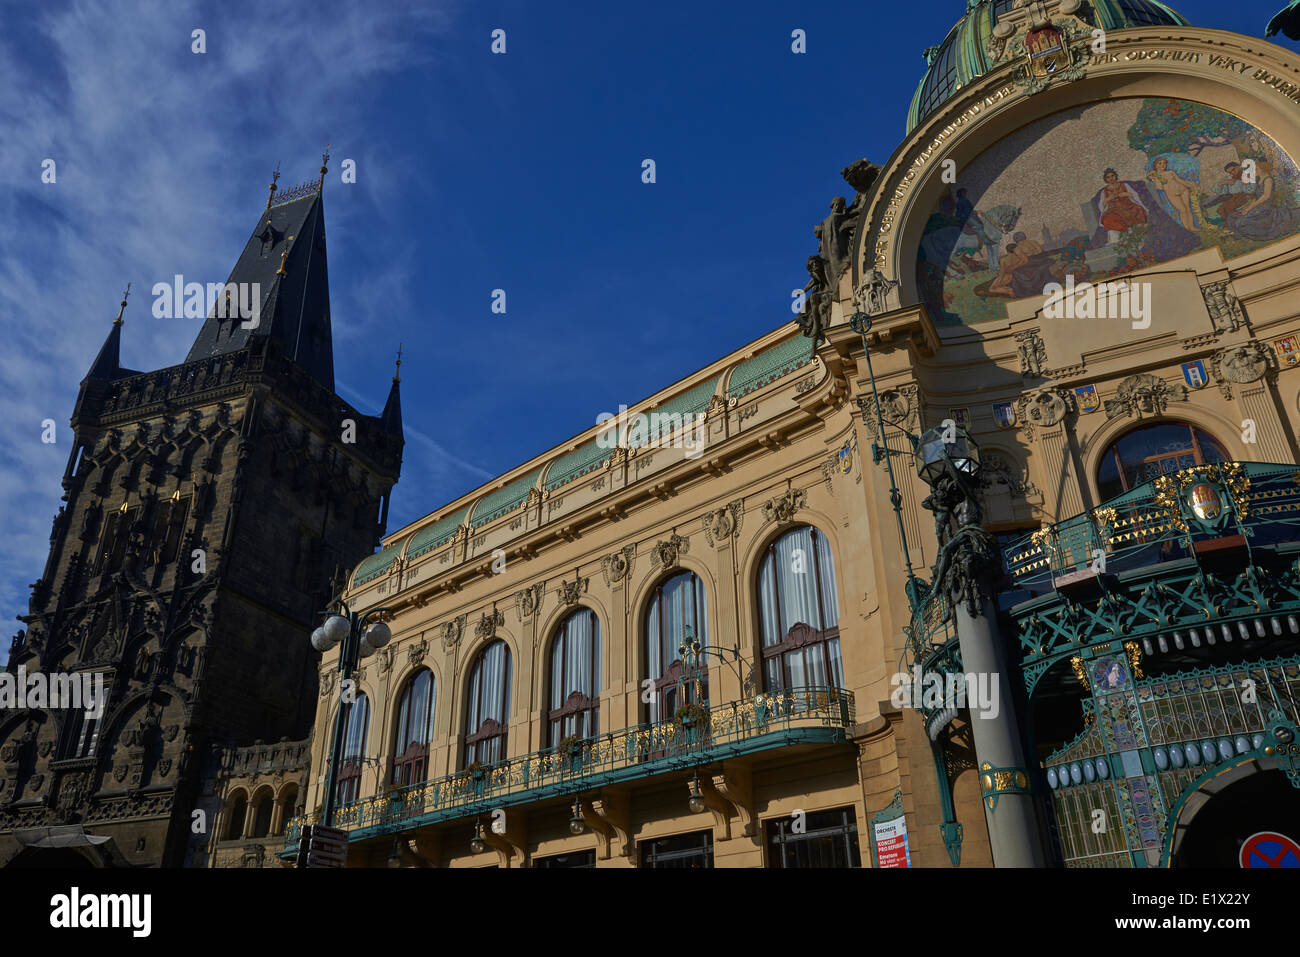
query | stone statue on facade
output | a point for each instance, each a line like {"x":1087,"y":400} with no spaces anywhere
{"x":834,"y":239}
{"x":815,"y":315}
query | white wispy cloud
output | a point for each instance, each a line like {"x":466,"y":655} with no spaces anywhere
{"x":155,"y":149}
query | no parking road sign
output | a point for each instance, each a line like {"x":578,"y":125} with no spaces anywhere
{"x":1270,"y":849}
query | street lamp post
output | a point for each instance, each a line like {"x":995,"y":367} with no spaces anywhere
{"x":361,"y":635}
{"x":691,"y":653}
{"x":948,"y":461}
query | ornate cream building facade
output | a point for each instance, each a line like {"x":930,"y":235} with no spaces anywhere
{"x":1085,"y":254}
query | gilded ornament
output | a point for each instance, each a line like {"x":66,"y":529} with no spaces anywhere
{"x":1134,"y":657}
{"x":1080,"y":672}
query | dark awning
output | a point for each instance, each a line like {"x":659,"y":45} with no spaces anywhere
{"x":67,"y":835}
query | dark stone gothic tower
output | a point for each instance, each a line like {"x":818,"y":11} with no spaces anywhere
{"x":207,"y":508}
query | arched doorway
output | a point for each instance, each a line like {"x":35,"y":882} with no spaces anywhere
{"x":1212,"y":828}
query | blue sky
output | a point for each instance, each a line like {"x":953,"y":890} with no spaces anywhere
{"x":474,"y":172}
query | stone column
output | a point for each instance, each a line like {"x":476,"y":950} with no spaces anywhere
{"x":1004,"y":778}
{"x":250,"y":819}
{"x":1257,"y":403}
{"x":967,"y":567}
{"x":1060,"y":461}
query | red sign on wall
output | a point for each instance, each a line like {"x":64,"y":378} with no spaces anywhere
{"x":891,"y":843}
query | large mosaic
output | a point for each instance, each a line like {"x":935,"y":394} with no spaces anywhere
{"x":1098,"y":191}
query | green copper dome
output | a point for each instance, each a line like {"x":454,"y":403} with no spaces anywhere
{"x":963,"y":55}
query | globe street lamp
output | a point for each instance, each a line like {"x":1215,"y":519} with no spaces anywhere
{"x":576,"y":824}
{"x":477,"y":844}
{"x":947,"y":447}
{"x":361,"y":634}
{"x":696,"y":801}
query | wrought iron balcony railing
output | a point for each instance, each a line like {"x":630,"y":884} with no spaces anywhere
{"x":790,"y":716}
{"x":1157,"y":522}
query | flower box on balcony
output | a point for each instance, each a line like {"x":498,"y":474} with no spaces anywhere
{"x":692,"y":721}
{"x":567,"y":753}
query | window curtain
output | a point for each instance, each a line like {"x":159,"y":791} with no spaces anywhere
{"x":489,"y":698}
{"x":788,"y":586}
{"x":680,"y":604}
{"x":415,"y":719}
{"x":797,"y":580}
{"x":574,"y":658}
{"x":797,"y":585}
{"x":354,"y":741}
{"x":830,"y":595}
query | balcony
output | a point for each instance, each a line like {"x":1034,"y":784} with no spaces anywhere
{"x":1158,"y":522}
{"x":1200,"y":555}
{"x":813,"y":715}
{"x":1207,"y":544}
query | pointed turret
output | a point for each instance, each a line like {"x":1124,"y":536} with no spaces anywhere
{"x":391,"y":417}
{"x":107,"y":364}
{"x":281,"y":275}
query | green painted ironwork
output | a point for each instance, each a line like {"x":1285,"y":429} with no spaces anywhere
{"x":1155,"y":523}
{"x":775,"y":719}
{"x":995,"y":782}
{"x":950,"y":829}
{"x":1118,"y":787}
{"x":1149,"y":580}
{"x":1279,"y":745}
{"x":931,"y":649}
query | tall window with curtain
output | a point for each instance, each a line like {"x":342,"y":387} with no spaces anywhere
{"x":575,"y":677}
{"x":414,"y":730}
{"x":356,"y":723}
{"x":799,"y":612}
{"x":678,"y":604}
{"x":488,"y":709}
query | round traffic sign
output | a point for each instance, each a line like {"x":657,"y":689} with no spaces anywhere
{"x":1270,"y":849}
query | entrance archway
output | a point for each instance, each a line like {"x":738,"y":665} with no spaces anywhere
{"x":1219,"y":815}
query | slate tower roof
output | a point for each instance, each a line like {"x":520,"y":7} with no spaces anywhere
{"x":285,"y":257}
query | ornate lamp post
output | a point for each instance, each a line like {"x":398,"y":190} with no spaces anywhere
{"x":576,"y":824}
{"x":361,"y":634}
{"x":692,"y":653}
{"x":948,"y":461}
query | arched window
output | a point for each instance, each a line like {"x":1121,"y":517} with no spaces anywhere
{"x":263,"y":807}
{"x":799,"y":612}
{"x":288,"y":805}
{"x":488,"y":710}
{"x":81,"y":731}
{"x":235,"y":814}
{"x":356,"y":722}
{"x":414,"y":730}
{"x":575,"y":677}
{"x":678,"y":603}
{"x":1148,"y":452}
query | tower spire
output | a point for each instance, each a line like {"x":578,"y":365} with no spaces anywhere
{"x":284,"y":260}
{"x":122,"y":306}
{"x":391,"y":417}
{"x":324,"y":168}
{"x":275,"y":178}
{"x":107,"y":364}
